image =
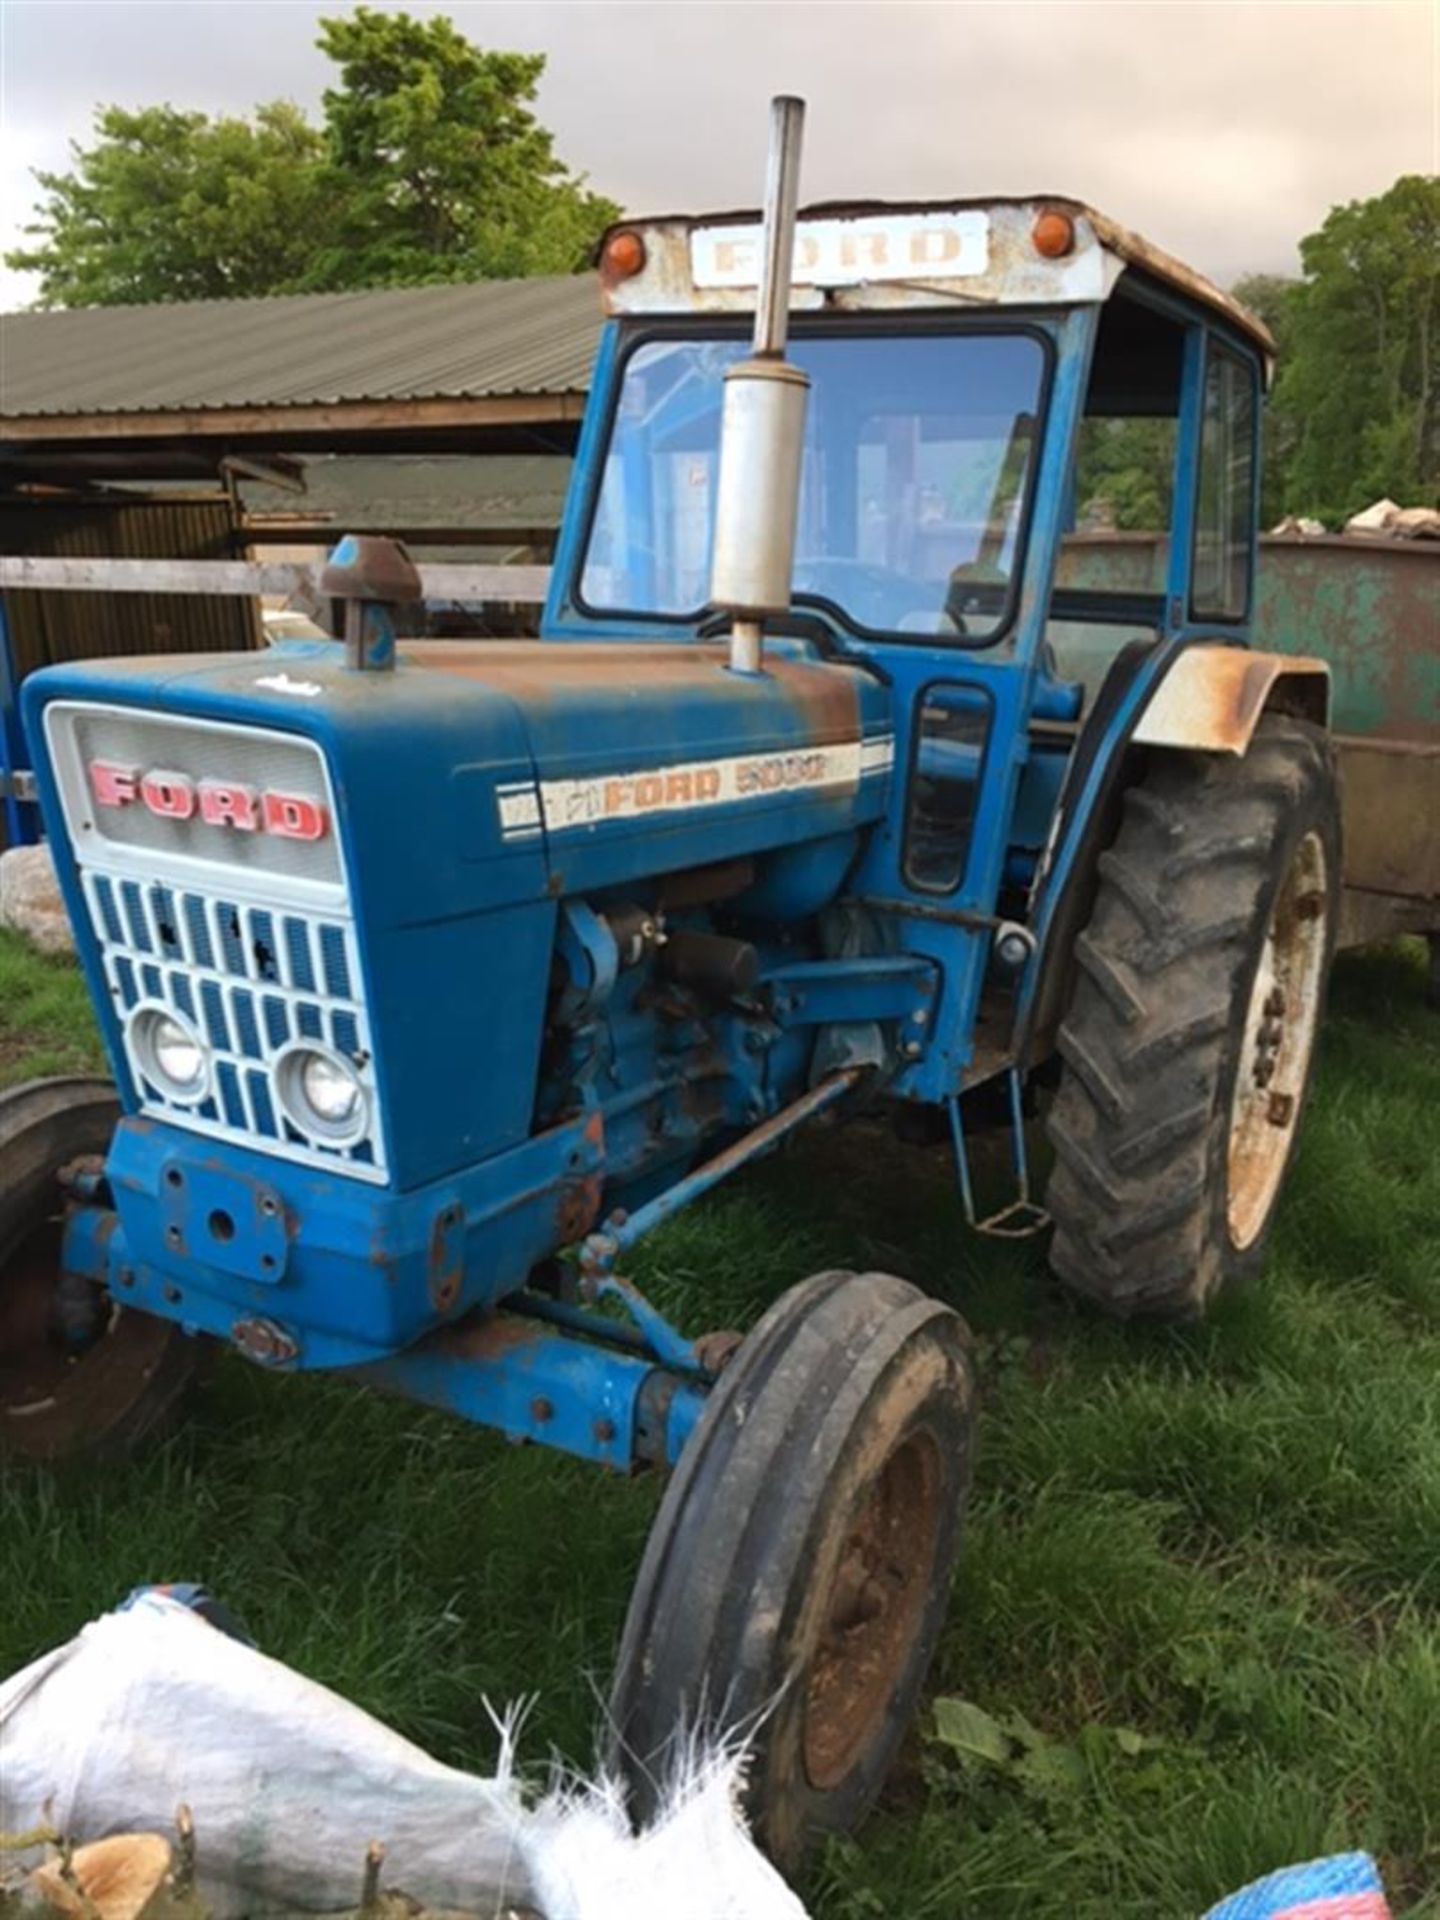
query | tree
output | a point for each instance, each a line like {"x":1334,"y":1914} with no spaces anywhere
{"x":1359,"y":393}
{"x":1124,"y":473}
{"x":429,"y":165}
{"x":1272,"y":296}
{"x":174,"y":206}
{"x":439,"y":168}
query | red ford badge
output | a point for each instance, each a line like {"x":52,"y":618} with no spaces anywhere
{"x":219,"y":803}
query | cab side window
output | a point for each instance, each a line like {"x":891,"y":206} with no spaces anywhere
{"x":1225,"y":495}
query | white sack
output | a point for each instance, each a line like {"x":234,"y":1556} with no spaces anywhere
{"x":288,"y":1784}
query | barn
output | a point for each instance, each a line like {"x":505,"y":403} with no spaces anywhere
{"x":226,"y":429}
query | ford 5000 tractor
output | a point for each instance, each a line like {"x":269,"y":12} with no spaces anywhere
{"x":434,"y":975}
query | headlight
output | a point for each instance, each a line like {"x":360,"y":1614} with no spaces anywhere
{"x":172,"y":1056}
{"x":321,"y":1094}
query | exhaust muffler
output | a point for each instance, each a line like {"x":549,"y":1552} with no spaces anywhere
{"x":762,"y":426}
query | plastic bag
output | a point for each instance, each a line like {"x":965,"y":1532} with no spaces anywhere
{"x":286,"y":1781}
{"x":288,"y":1784}
{"x":1346,"y":1886}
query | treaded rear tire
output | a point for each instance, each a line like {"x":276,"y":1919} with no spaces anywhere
{"x":1155,"y":1036}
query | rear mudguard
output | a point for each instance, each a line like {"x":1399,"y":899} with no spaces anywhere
{"x":1211,"y":698}
{"x":1208,"y":698}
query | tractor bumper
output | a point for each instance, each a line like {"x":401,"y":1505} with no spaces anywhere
{"x":223,"y":1251}
{"x":307,"y":1269}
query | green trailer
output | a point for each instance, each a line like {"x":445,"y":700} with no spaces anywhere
{"x":1371,"y":609}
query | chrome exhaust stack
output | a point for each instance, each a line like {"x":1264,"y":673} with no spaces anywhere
{"x":762,"y":427}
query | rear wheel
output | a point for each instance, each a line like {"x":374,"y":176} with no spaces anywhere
{"x":1188,"y":1046}
{"x":796,"y":1577}
{"x":78,"y":1374}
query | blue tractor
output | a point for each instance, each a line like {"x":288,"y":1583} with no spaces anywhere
{"x":434,"y":975}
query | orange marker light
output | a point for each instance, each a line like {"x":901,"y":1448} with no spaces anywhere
{"x":623,"y":257}
{"x":1053,"y":234}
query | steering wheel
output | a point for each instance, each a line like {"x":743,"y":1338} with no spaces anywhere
{"x":871,"y":594}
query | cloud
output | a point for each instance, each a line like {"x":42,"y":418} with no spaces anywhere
{"x":1222,"y":130}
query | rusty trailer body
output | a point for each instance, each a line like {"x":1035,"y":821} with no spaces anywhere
{"x":1370,"y":609}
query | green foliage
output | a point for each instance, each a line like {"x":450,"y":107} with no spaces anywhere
{"x":1355,"y":413}
{"x":429,"y":166}
{"x":1358,"y":395}
{"x":1124,"y":474}
{"x":175,"y":206}
{"x":1272,"y":297}
{"x":439,"y":171}
{"x":45,"y":1021}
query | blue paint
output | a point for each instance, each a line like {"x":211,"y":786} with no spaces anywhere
{"x":525,"y":830}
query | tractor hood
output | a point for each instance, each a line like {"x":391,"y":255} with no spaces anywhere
{"x":483,"y":773}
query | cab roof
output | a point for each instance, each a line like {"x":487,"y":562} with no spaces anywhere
{"x":873,"y":254}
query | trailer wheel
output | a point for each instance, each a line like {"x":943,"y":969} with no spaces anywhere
{"x":796,"y":1576}
{"x":78,"y":1374}
{"x":1187,"y":1049}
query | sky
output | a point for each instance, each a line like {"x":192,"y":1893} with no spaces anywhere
{"x":1221,"y":129}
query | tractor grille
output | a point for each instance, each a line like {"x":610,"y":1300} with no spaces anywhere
{"x":251,"y":976}
{"x":251,"y":980}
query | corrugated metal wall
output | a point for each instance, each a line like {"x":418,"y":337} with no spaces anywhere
{"x":48,"y":627}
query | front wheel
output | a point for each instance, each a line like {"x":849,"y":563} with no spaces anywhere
{"x":1187,"y":1050}
{"x":796,"y":1576}
{"x":78,"y":1374}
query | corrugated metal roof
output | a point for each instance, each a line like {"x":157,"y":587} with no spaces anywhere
{"x":491,"y":338}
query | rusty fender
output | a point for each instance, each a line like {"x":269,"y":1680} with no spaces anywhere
{"x":1212,"y":697}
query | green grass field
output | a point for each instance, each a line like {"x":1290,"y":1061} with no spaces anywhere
{"x":1202,"y":1580}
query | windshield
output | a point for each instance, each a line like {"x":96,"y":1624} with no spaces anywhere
{"x":918,"y":453}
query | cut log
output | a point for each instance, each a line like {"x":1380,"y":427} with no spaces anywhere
{"x":114,"y":1879}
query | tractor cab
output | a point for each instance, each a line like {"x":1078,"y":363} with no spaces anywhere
{"x":975,"y":370}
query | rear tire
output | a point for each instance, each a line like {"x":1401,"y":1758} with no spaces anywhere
{"x":121,"y":1374}
{"x":1187,"y":1048}
{"x":796,"y":1577}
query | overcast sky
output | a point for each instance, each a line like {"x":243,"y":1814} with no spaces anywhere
{"x":1222,"y":131}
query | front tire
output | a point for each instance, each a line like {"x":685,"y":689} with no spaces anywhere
{"x":795,"y":1580}
{"x":78,"y":1374}
{"x":1187,"y":1049}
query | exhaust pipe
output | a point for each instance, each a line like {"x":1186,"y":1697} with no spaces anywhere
{"x":762,"y":426}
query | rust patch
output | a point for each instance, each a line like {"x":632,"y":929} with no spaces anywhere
{"x":578,"y":1207}
{"x":540,"y":673}
{"x":714,"y":1351}
{"x":444,"y":1266}
{"x":1212,"y":697}
{"x":874,"y":1608}
{"x":378,"y":569}
{"x":1015,"y":272}
{"x":489,"y":1336}
{"x":265,"y":1342}
{"x":1390,"y":802}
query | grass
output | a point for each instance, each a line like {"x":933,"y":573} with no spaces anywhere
{"x":1203,"y":1564}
